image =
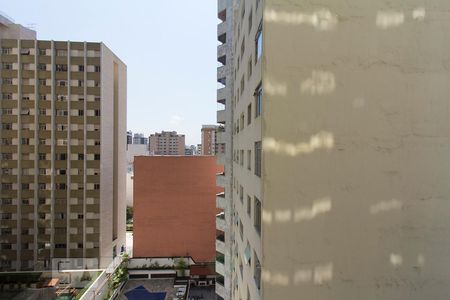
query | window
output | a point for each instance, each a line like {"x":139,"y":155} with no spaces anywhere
{"x":42,"y":156}
{"x":249,"y":159}
{"x":6,"y":231}
{"x":257,"y":272}
{"x":250,"y":68}
{"x":80,"y":112}
{"x":80,"y":68}
{"x":61,"y":68}
{"x":97,"y":112}
{"x":42,"y":97}
{"x":258,"y":100}
{"x":7,"y":66}
{"x":249,"y":205}
{"x":60,"y":246}
{"x":42,"y":52}
{"x":7,"y":81}
{"x":258,"y":153}
{"x":6,"y":156}
{"x":6,"y":216}
{"x":80,"y":216}
{"x":60,"y":186}
{"x":25,"y":186}
{"x":257,"y":215}
{"x":258,"y":43}
{"x":80,"y":83}
{"x":97,"y":68}
{"x":6,"y":111}
{"x":6,"y":96}
{"x":249,"y":114}
{"x":61,"y":112}
{"x":42,"y":112}
{"x":96,"y":186}
{"x":42,"y":82}
{"x":42,"y":186}
{"x":6,"y":50}
{"x":6,"y":201}
{"x":6,"y":126}
{"x":96,"y":156}
{"x":42,"y":67}
{"x":80,"y":156}
{"x":60,"y":156}
{"x":241,"y":194}
{"x":25,"y":141}
{"x":61,"y":52}
{"x":241,"y":229}
{"x":241,"y":161}
{"x":5,"y":246}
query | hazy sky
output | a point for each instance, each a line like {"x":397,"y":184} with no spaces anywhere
{"x":169,"y":47}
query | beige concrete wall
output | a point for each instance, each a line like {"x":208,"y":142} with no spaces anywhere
{"x":107,"y":157}
{"x":356,"y":150}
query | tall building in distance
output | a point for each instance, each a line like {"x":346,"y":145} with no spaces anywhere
{"x":63,"y":129}
{"x":190,"y":150}
{"x":167,"y":143}
{"x":140,"y":139}
{"x":209,"y":139}
{"x":129,"y":137}
{"x":340,"y":166}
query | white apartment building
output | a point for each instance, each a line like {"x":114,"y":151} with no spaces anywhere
{"x":336,"y":150}
{"x":62,"y":147}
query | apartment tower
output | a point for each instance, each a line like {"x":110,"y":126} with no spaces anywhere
{"x":209,"y":139}
{"x":339,"y":134}
{"x":63,"y":129}
{"x":166,"y":143}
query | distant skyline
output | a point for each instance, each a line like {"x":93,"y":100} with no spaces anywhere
{"x":169,"y":48}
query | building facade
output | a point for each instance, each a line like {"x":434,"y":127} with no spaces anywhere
{"x":340,"y":142}
{"x":167,"y":143}
{"x":209,"y":139}
{"x":174,"y":210}
{"x":140,"y":139}
{"x":63,"y":129}
{"x":129,"y":137}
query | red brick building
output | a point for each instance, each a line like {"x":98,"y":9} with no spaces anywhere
{"x":175,"y":207}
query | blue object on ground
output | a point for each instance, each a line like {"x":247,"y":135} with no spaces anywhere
{"x":141,"y":293}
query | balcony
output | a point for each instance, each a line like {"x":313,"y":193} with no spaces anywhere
{"x":220,"y":158}
{"x":222,"y":94}
{"x":222,"y":74}
{"x":220,"y":289}
{"x":221,"y":223}
{"x":220,"y":201}
{"x":220,"y":245}
{"x":221,"y":116}
{"x":220,"y":264}
{"x":221,"y":180}
{"x":221,"y":7}
{"x":221,"y":135}
{"x":221,"y":28}
{"x":222,"y":50}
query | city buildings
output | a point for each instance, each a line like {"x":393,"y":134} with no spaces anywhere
{"x":190,"y":150}
{"x":139,"y":139}
{"x":340,"y":147}
{"x":209,"y":139}
{"x":199,"y":149}
{"x":63,"y":127}
{"x":166,"y":143}
{"x":129,"y":137}
{"x":174,"y":208}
